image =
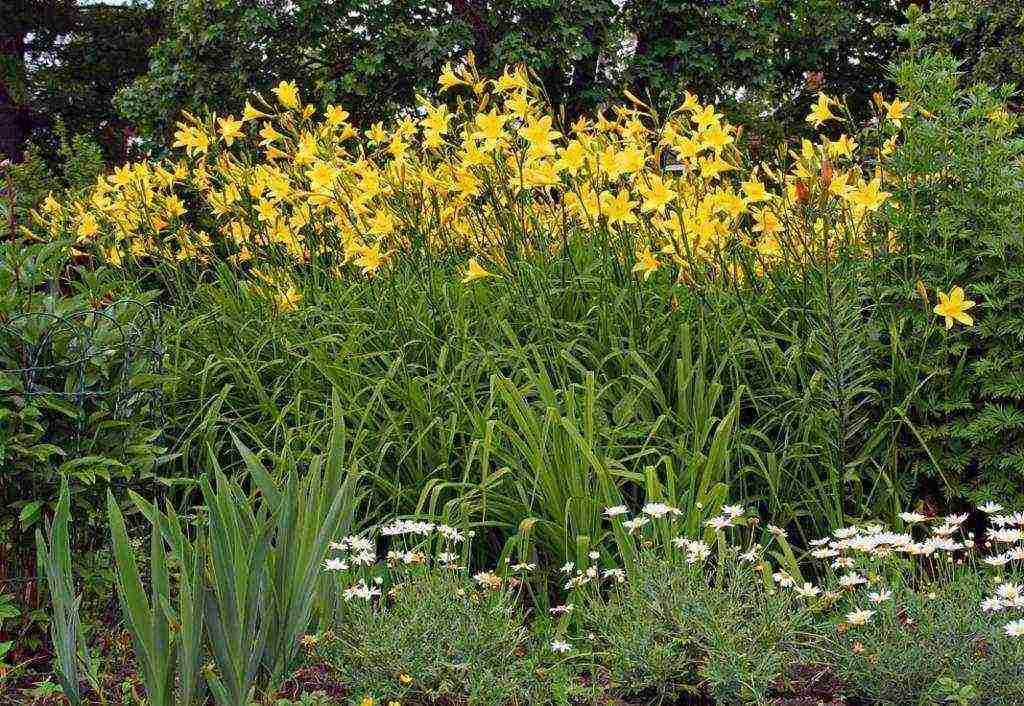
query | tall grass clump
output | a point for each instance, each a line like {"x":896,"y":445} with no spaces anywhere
{"x":523,"y":319}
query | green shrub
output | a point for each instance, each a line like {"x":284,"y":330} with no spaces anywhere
{"x":919,"y":644}
{"x":987,"y":36}
{"x":675,"y":628}
{"x":76,"y":164}
{"x":960,"y":222}
{"x":438,"y":637}
{"x":78,"y":388}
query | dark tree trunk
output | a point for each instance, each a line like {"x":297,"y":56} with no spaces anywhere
{"x":583,"y":78}
{"x":14,"y":119}
{"x":475,"y":14}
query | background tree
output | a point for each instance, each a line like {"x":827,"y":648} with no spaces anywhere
{"x":372,"y":56}
{"x":573,"y":46}
{"x":764,"y":60}
{"x":24,"y":22}
{"x":987,"y":36}
{"x":75,"y":71}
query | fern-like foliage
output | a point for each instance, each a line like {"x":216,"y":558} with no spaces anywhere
{"x":960,"y":187}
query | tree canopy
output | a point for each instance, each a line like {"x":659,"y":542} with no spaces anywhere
{"x":113,"y":71}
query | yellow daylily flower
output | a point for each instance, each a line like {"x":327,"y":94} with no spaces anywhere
{"x":287,"y":94}
{"x":821,"y":112}
{"x":896,"y":111}
{"x":954,"y":306}
{"x":646,"y":263}
{"x":475,"y":271}
{"x":229,"y":129}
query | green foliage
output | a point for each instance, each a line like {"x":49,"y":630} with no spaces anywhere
{"x":442,"y":638}
{"x":755,"y":58}
{"x":75,"y":164}
{"x":246,"y":586}
{"x":961,"y":191}
{"x":70,"y":423}
{"x":373,"y":58}
{"x":166,"y":628}
{"x":928,"y":645}
{"x":77,"y":67}
{"x":54,"y":558}
{"x":265,"y":558}
{"x":819,"y":392}
{"x":986,"y":36}
{"x":674,"y":628}
{"x":61,"y":62}
{"x":512,"y":410}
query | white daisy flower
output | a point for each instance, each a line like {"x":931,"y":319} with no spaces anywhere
{"x":859,"y":617}
{"x":879,"y":597}
{"x":1015,"y":628}
{"x":808,"y":590}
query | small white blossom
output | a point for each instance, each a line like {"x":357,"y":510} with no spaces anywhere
{"x":1015,"y":628}
{"x":997,"y":559}
{"x":361,"y":590}
{"x":879,"y":597}
{"x":450,"y":533}
{"x":618,"y":574}
{"x":1008,"y":535}
{"x":859,"y":617}
{"x":991,"y":605}
{"x":851,"y":579}
{"x":807,"y":590}
{"x":783,"y":578}
{"x":719,"y":523}
{"x":636,"y":523}
{"x":659,"y":510}
{"x":732,"y":511}
{"x":1009,"y":592}
{"x":750,"y":556}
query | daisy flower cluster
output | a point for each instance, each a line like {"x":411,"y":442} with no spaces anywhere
{"x":358,"y":563}
{"x":932,"y":549}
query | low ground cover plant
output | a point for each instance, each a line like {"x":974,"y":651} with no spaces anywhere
{"x":440,"y":635}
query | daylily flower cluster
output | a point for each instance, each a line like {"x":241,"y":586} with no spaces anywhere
{"x":493,"y":179}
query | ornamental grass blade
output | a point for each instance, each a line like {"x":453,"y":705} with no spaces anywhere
{"x":148,"y":627}
{"x":53,"y":553}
